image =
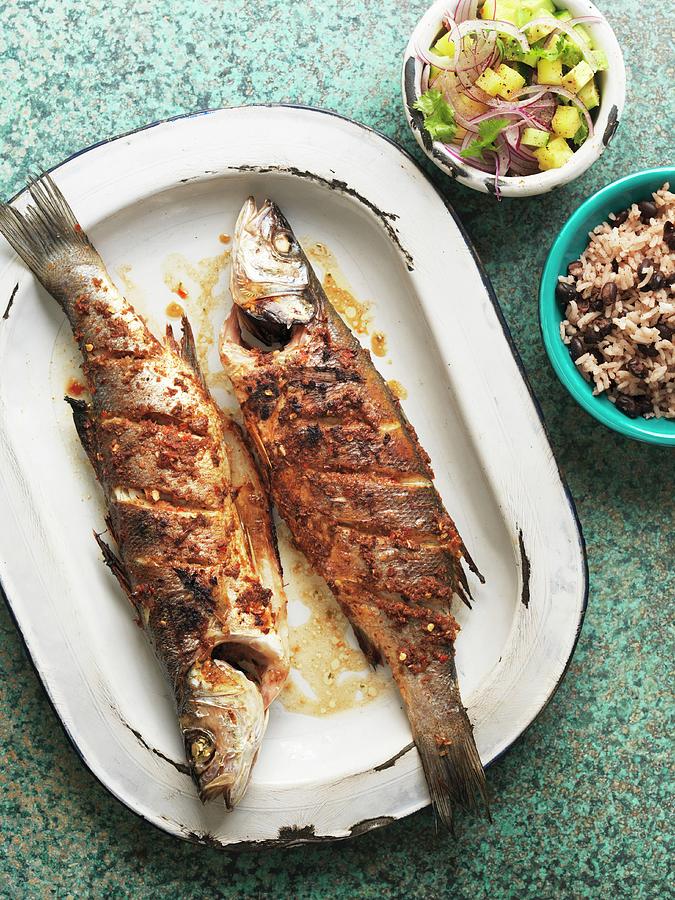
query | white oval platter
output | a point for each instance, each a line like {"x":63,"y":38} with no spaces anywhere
{"x":172,"y":188}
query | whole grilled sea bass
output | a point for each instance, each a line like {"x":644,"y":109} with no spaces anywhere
{"x":354,"y":485}
{"x":197,"y":553}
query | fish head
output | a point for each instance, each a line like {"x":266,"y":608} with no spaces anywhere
{"x":223,"y":719}
{"x":270,"y":278}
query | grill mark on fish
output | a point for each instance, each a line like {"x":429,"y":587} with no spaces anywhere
{"x":358,"y":497}
{"x":178,"y":493}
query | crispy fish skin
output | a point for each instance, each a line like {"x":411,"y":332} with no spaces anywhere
{"x":186,"y":507}
{"x":355,"y":487}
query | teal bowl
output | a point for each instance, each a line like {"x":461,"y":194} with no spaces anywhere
{"x":568,"y":246}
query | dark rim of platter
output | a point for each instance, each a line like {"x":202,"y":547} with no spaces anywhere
{"x":292,"y":836}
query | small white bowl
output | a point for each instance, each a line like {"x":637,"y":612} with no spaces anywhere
{"x":612,"y":83}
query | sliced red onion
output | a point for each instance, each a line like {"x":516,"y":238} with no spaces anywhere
{"x":505,"y":106}
{"x":481,"y":165}
{"x":497,"y":25}
{"x":581,"y":42}
{"x":512,"y":136}
{"x":585,"y":20}
{"x":433,"y":59}
{"x":520,"y":167}
{"x":503,"y":162}
{"x":466,"y":9}
{"x":454,"y":97}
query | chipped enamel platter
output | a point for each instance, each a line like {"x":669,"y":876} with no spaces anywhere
{"x":172,"y":188}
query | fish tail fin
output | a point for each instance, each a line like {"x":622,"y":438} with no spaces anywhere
{"x":444,"y":738}
{"x":454,"y":772}
{"x":45,"y":231}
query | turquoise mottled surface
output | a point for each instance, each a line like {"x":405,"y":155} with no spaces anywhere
{"x":581,"y":803}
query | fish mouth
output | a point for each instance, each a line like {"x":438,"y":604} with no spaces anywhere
{"x":230,"y":787}
{"x":271,"y":281}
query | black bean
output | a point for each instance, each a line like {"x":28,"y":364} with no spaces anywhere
{"x":620,"y":217}
{"x":576,"y":348}
{"x":648,"y":350}
{"x":608,"y":292}
{"x":669,"y":235}
{"x":627,"y":406}
{"x":615,"y":266}
{"x":597,"y":330}
{"x":648,"y":210}
{"x":642,"y":270}
{"x":597,"y":303}
{"x":643,"y":404}
{"x":665,"y":331}
{"x":564,"y":293}
{"x":596,"y":352}
{"x":583,"y":305}
{"x":670,"y":279}
{"x":637,"y":367}
{"x":657,"y":281}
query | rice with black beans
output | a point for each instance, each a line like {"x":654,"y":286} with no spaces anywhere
{"x":623,"y":340}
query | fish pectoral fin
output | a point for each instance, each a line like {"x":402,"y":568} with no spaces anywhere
{"x":188,"y":350}
{"x":370,"y":651}
{"x":85,"y":429}
{"x":116,"y":566}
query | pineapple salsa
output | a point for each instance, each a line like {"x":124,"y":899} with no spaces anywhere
{"x":511,"y":85}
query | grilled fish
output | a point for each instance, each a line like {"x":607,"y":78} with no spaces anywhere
{"x":191,"y":520}
{"x":355,"y":487}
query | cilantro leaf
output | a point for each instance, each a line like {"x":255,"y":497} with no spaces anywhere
{"x":510,"y":49}
{"x":439,"y":117}
{"x":582,"y":133}
{"x":487,"y":134}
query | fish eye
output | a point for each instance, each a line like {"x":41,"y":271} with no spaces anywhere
{"x":283,"y":243}
{"x":200,"y":746}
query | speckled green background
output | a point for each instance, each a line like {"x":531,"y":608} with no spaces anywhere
{"x":581,"y":802}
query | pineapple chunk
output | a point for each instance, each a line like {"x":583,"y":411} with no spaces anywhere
{"x":537,"y":32}
{"x":499,"y":9}
{"x":444,"y":46}
{"x":533,"y":137}
{"x":554,"y":155}
{"x":584,"y":34}
{"x":490,"y":82}
{"x":577,"y":77}
{"x":511,"y":81}
{"x":549,"y":71}
{"x":589,"y":95}
{"x":505,"y":82}
{"x":566,"y":121}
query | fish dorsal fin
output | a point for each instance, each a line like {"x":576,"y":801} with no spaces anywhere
{"x":170,"y":341}
{"x":188,"y":350}
{"x":115,"y":565}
